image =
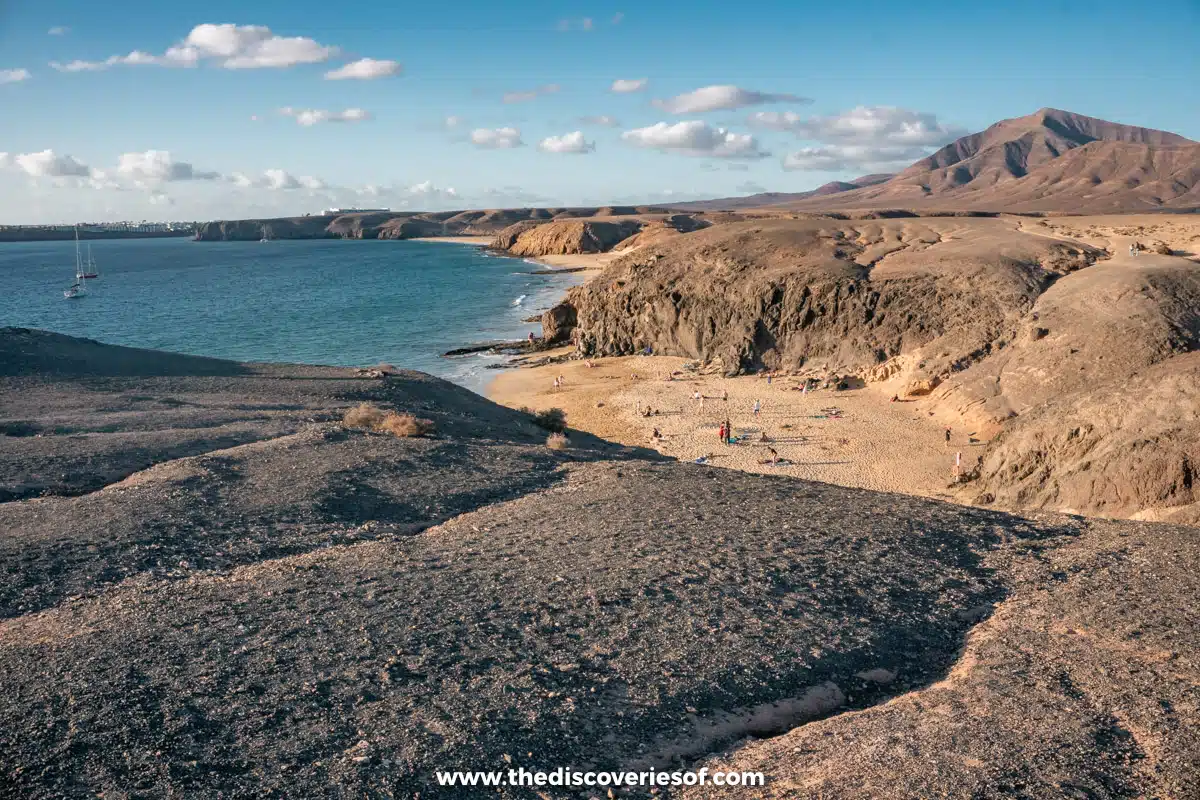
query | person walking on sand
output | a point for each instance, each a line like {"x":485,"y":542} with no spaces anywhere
{"x":947,"y":437}
{"x":725,"y":395}
{"x":757,"y":408}
{"x":721,"y":433}
{"x":728,"y":432}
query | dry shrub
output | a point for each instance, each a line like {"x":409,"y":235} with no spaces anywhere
{"x":363,"y":415}
{"x":556,"y":441}
{"x":376,"y":419}
{"x":405,"y":425}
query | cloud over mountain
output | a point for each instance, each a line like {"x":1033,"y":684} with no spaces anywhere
{"x":695,"y":138}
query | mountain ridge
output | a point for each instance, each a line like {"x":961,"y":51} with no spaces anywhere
{"x":1048,"y":161}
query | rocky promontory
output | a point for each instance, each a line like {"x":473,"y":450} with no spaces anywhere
{"x":564,"y":237}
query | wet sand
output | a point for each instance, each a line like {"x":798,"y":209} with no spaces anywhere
{"x":856,"y":437}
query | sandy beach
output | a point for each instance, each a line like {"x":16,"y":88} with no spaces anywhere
{"x":856,"y":437}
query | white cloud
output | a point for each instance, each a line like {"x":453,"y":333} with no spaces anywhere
{"x":427,"y":189}
{"x":58,"y":30}
{"x":365,"y":69}
{"x":14,"y":75}
{"x":695,"y":138}
{"x":160,"y":199}
{"x":5,"y":160}
{"x":228,"y":46}
{"x":847,"y":158}
{"x":276,"y":180}
{"x":497,"y":138}
{"x":532,"y":94}
{"x":604,"y":120}
{"x":307,"y":117}
{"x":157,"y":165}
{"x":865,"y":125}
{"x":48,"y":164}
{"x":617,"y":17}
{"x":567,"y":143}
{"x":625,"y":86}
{"x":452,"y":122}
{"x":722,"y":98}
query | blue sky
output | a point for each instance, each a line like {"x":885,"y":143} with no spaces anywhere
{"x":807,"y":93}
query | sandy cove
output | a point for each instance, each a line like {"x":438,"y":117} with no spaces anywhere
{"x":856,"y":437}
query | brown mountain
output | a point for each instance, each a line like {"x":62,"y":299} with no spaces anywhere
{"x":763,"y":199}
{"x":1048,"y":161}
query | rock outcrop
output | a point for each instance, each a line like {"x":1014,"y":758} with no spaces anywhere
{"x":565,"y":237}
{"x":659,"y":230}
{"x":1129,"y":446}
{"x":849,"y":295}
{"x":558,"y":323}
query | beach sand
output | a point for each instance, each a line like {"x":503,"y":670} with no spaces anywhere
{"x":856,"y":437}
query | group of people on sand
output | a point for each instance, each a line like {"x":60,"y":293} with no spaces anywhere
{"x":560,"y":381}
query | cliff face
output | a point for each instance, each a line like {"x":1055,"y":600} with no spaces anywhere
{"x":849,"y":295}
{"x":565,"y":237}
{"x":1128,"y":445}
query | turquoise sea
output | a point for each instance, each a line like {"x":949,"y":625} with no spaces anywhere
{"x":342,"y":302}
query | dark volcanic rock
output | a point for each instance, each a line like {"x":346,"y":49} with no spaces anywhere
{"x":557,"y":324}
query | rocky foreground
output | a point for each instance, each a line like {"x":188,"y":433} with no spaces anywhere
{"x":216,"y":589}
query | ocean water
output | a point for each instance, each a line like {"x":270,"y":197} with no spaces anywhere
{"x":339,"y":302}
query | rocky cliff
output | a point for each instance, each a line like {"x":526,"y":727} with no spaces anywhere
{"x":565,"y":237}
{"x":1128,"y":446}
{"x":850,"y":295}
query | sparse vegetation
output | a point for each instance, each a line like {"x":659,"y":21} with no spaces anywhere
{"x":557,"y":441}
{"x":363,"y":415}
{"x":371,"y":418}
{"x":405,"y":425}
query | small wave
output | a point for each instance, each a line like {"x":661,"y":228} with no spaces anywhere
{"x":520,"y":300}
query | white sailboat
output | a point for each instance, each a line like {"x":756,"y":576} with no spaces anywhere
{"x":78,"y":288}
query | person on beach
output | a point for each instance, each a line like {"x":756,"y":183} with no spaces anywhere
{"x":721,"y":433}
{"x":728,"y":432}
{"x":531,"y":337}
{"x":947,"y":437}
{"x":725,"y":395}
{"x":774,"y":455}
{"x":757,"y":408}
